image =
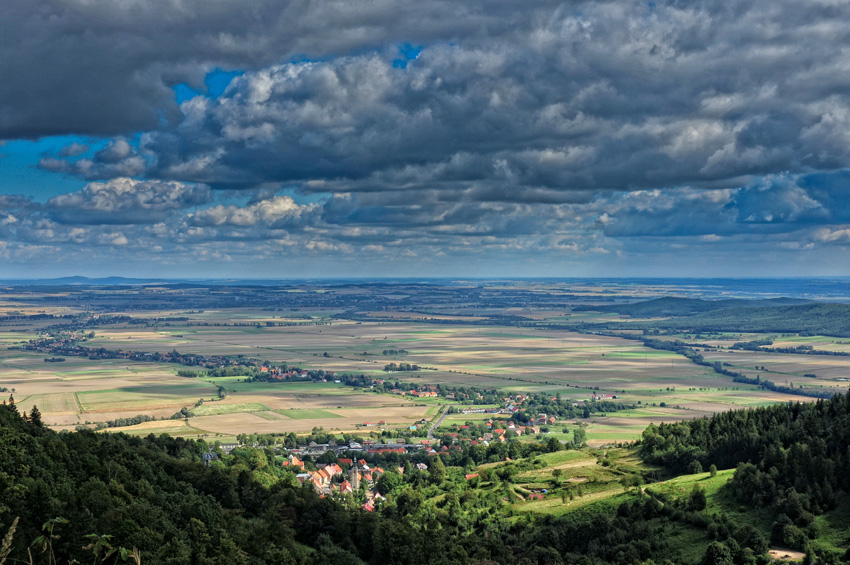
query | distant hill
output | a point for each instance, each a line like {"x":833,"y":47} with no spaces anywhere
{"x":673,"y":306}
{"x":761,"y":316}
{"x":81,"y":281}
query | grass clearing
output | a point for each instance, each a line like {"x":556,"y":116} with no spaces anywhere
{"x":213,"y":408}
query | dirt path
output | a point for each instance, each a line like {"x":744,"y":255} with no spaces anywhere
{"x":786,"y":554}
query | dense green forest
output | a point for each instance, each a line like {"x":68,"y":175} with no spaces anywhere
{"x":793,"y":459}
{"x":155,"y":496}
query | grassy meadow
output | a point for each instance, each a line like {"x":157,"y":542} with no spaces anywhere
{"x":584,"y":484}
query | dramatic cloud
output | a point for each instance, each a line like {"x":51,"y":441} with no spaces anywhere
{"x":602,"y":133}
{"x":103,"y":67}
{"x":614,"y":95}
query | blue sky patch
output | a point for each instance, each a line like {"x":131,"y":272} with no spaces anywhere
{"x":408,"y":53}
{"x":20,"y":174}
{"x":216,"y":83}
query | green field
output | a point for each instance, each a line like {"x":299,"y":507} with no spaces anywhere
{"x":142,"y":395}
{"x":215,"y":408}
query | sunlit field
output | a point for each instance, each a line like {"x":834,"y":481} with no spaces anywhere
{"x":448,"y":342}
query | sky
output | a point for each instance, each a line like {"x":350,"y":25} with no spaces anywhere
{"x":344,"y":138}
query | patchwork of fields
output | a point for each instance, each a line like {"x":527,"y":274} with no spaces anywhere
{"x":78,"y":391}
{"x":666,"y":386}
{"x":512,"y":359}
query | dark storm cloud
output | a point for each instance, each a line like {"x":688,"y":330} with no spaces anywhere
{"x":15,"y":202}
{"x":103,"y":67}
{"x":596,"y":96}
{"x":552,"y":130}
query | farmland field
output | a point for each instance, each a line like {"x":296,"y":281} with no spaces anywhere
{"x":454,"y":342}
{"x":510,"y":359}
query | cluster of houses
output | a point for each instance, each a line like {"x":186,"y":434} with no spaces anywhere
{"x":280,"y":374}
{"x":506,"y":410}
{"x":421,"y":392}
{"x":368,"y":446}
{"x":497,"y":433}
{"x":322,"y":479}
{"x":331,"y":478}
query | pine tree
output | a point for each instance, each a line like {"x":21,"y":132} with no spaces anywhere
{"x":35,"y":416}
{"x":437,"y":471}
{"x":12,"y":403}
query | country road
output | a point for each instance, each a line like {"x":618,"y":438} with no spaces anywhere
{"x":436,"y":424}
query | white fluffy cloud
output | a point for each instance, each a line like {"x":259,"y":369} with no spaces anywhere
{"x":278,"y":211}
{"x":125,"y":201}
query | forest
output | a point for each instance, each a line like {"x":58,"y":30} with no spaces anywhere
{"x":154,"y":498}
{"x":793,"y":459}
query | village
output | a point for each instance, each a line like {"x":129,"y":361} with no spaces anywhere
{"x":355,"y":467}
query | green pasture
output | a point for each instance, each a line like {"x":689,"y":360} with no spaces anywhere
{"x":462,"y":419}
{"x":614,"y":433}
{"x":681,"y":486}
{"x":239,"y":384}
{"x":53,"y":402}
{"x":216,"y":408}
{"x":142,"y":395}
{"x":176,"y":430}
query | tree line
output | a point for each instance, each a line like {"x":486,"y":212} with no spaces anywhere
{"x":793,"y":459}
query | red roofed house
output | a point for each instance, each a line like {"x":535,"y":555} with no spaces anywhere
{"x":333,"y":469}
